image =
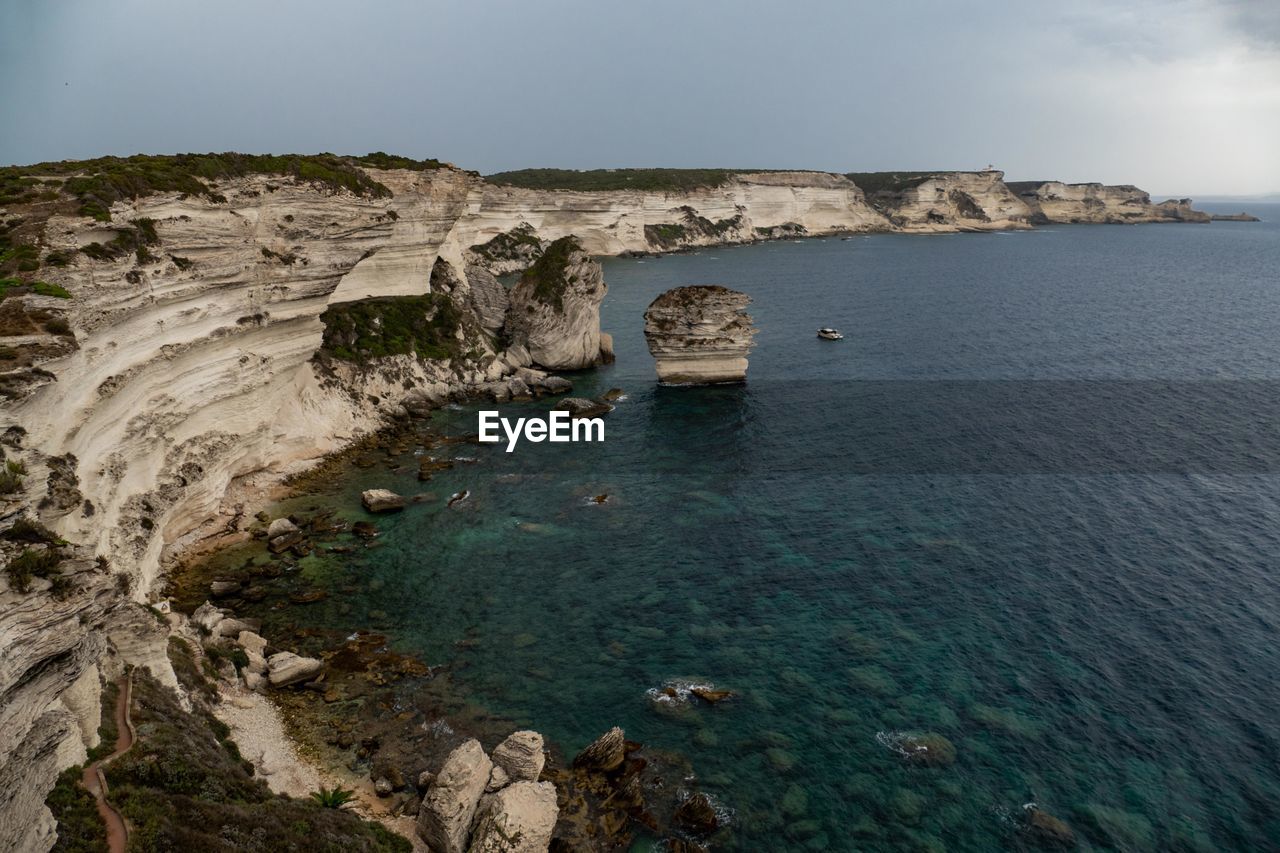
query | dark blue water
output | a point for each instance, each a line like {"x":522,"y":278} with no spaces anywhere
{"x":1030,"y":503}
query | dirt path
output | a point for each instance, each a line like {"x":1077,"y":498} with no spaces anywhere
{"x":96,"y":782}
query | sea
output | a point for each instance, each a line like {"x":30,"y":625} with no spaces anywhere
{"x":1030,"y":504}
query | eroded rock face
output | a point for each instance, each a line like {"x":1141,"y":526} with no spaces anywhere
{"x":555,"y":308}
{"x":699,"y":335}
{"x":520,"y":755}
{"x":444,"y":819}
{"x":1054,"y":201}
{"x":517,"y":819}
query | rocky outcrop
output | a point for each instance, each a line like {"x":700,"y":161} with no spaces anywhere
{"x":699,"y":335}
{"x":517,"y":819}
{"x":447,"y":810}
{"x":604,"y":754}
{"x":1234,"y":217}
{"x":555,"y":308}
{"x":1054,"y":201}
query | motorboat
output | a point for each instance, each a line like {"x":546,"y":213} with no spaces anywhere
{"x":830,"y":335}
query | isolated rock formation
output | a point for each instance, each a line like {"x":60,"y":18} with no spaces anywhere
{"x":699,"y":335}
{"x":555,"y":308}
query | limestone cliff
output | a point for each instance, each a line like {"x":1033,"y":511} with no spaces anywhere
{"x":945,"y":201}
{"x":699,"y":335}
{"x":555,"y":309}
{"x":1053,"y":201}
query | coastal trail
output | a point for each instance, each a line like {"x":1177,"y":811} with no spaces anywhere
{"x":96,"y":782}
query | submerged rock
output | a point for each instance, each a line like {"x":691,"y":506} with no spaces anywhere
{"x":444,"y":818}
{"x":521,"y":756}
{"x":555,"y":308}
{"x":1046,"y":830}
{"x":381,"y":500}
{"x":580,"y":407}
{"x":518,"y":819}
{"x":699,"y":335}
{"x":928,"y":749}
{"x":697,"y":814}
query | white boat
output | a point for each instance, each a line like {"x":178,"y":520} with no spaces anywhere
{"x":830,"y":335}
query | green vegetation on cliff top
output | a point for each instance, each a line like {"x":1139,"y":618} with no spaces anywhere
{"x":548,"y":273}
{"x":875,"y":182}
{"x":659,"y":180}
{"x":97,"y":184}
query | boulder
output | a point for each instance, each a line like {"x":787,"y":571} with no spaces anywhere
{"x":498,"y":779}
{"x":381,"y":500}
{"x":521,"y":756}
{"x":605,"y":754}
{"x":517,"y":819}
{"x":207,"y":617}
{"x":251,"y":642}
{"x":699,"y":335}
{"x":444,"y":818}
{"x":285,"y":668}
{"x":224,"y":588}
{"x":555,"y":308}
{"x":606,"y":348}
{"x":557,"y":385}
{"x":230,"y":627}
{"x":282,"y":535}
{"x":580,"y":407}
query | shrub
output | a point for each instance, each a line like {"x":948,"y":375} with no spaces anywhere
{"x":26,"y":530}
{"x":11,"y":477}
{"x":394,"y":325}
{"x":334,"y":798}
{"x":45,"y":289}
{"x":32,"y":564}
{"x":58,"y":258}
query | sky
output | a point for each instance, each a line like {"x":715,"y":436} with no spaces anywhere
{"x":1181,"y":97}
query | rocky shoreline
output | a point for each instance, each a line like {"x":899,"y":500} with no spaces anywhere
{"x":331,"y":689}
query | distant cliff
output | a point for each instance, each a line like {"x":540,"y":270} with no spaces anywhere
{"x":1053,"y":201}
{"x":177,"y":334}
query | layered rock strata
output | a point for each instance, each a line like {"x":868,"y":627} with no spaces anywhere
{"x":1054,"y":201}
{"x":554,"y":313}
{"x":699,"y":335}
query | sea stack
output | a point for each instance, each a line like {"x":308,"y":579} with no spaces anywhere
{"x":699,"y":335}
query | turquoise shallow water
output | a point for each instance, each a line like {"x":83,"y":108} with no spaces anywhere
{"x":966,"y":518}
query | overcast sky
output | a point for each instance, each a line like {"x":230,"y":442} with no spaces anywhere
{"x":1177,"y":96}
